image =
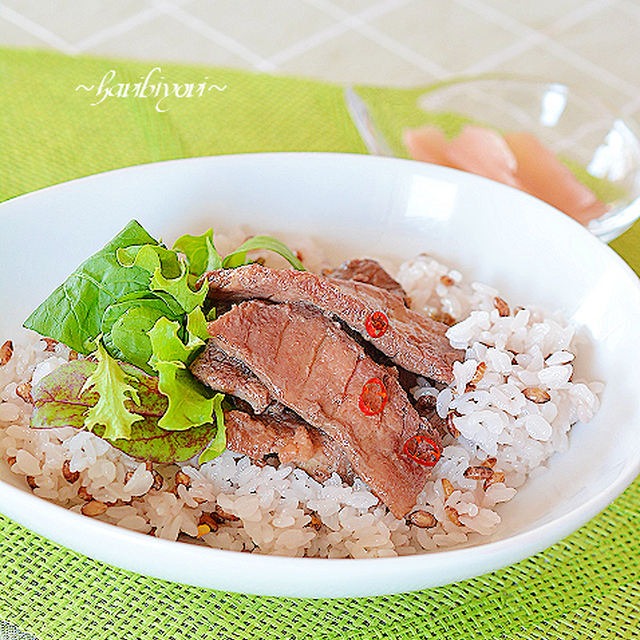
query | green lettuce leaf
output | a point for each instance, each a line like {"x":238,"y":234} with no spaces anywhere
{"x":112,"y":385}
{"x":180,"y":290}
{"x":140,"y":298}
{"x":239,"y":256}
{"x":202,"y":255}
{"x":167,"y":346}
{"x":150,"y":258}
{"x":219,"y":443}
{"x":168,"y":274}
{"x":190,"y":402}
{"x":73,"y":313}
{"x":126,"y":325}
{"x":197,"y":324}
{"x":200,"y":252}
{"x":58,"y":401}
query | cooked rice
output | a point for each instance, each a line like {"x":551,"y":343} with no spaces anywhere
{"x":512,"y":413}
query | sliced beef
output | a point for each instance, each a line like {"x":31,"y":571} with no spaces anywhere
{"x":280,"y":431}
{"x":276,"y":429}
{"x":223,"y":373}
{"x":310,"y":365}
{"x":370,"y":272}
{"x":411,"y":340}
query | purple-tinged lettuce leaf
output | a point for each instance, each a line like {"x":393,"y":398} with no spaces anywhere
{"x":149,"y":442}
{"x":113,"y":387}
{"x":59,"y":402}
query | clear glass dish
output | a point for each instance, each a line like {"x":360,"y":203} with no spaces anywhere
{"x":572,"y":150}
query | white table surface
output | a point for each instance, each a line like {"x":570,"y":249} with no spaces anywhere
{"x":591,"y":44}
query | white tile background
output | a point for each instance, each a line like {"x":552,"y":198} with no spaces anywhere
{"x":591,"y":43}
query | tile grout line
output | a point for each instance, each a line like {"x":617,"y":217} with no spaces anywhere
{"x":503,"y":55}
{"x":212,"y":34}
{"x":329,"y":33}
{"x":403,"y":51}
{"x":577,"y":61}
{"x":630,"y":107}
{"x":36,"y":30}
{"x":358,"y":24}
{"x":379,"y":9}
{"x":131,"y":22}
{"x":553,"y":47}
{"x":582,"y":13}
{"x":493,"y":15}
{"x":310,"y":42}
{"x":539,"y":37}
{"x":137,"y":19}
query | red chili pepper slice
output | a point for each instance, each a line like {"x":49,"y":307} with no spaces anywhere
{"x":373,"y":397}
{"x":376,"y":324}
{"x":422,"y":450}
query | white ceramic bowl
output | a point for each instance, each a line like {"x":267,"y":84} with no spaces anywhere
{"x":352,"y":205}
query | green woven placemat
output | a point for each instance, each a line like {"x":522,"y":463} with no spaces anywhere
{"x":586,"y":586}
